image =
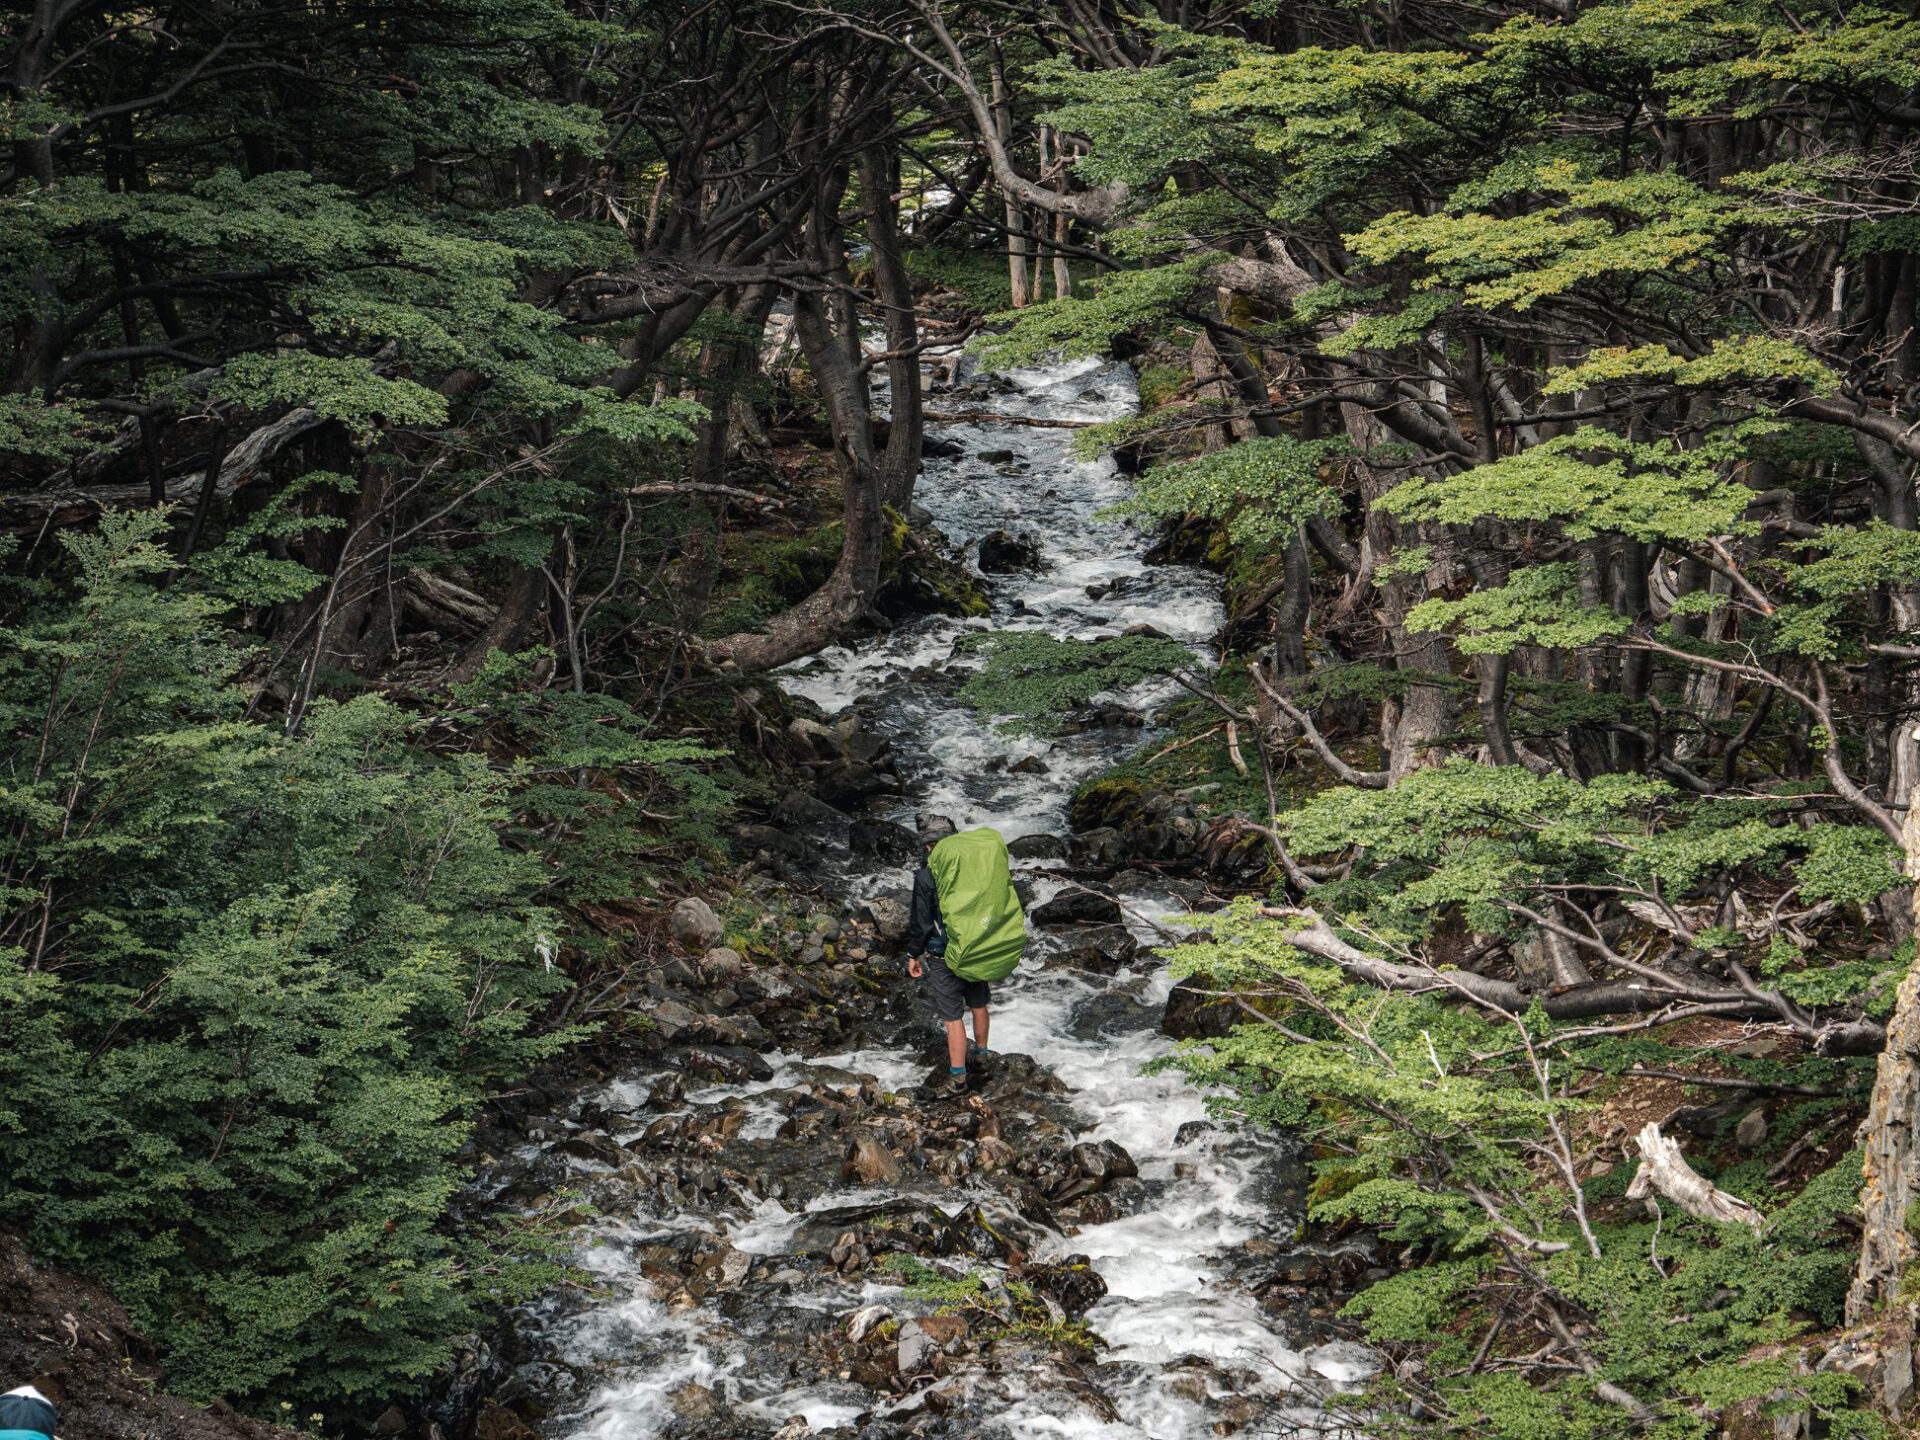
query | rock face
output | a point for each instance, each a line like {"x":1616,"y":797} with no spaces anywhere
{"x":1001,"y":552}
{"x":694,"y":927}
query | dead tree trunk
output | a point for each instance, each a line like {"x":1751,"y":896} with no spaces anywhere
{"x":1892,"y":1163}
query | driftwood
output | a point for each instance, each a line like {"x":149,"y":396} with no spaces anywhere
{"x":1664,"y":1171}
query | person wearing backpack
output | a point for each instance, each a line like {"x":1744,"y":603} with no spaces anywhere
{"x":965,"y":930}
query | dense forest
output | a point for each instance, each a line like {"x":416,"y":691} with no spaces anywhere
{"x":427,"y":425}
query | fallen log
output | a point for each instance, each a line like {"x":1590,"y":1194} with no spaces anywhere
{"x":70,"y":504}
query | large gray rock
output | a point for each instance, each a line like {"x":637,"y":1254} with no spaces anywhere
{"x":1074,"y":906}
{"x":871,"y":1162}
{"x":694,"y":926}
{"x":889,"y":915}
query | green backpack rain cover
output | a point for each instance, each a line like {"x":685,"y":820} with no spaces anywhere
{"x":986,"y":932}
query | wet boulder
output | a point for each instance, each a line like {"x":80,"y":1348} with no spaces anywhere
{"x":1072,"y":1284}
{"x":1194,"y":1014}
{"x":884,"y":841}
{"x":1075,"y":906}
{"x":694,"y":927}
{"x":1029,"y":765}
{"x":1001,"y":552}
{"x":845,"y":783}
{"x":870,"y":1162}
{"x":1103,"y":1160}
{"x":1101,"y":949}
{"x":1102,"y":845}
{"x":888,"y":915}
{"x":730,"y":1064}
{"x":995,"y":457}
{"x":798,"y":809}
{"x":1037,"y":847}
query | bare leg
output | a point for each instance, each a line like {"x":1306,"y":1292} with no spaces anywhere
{"x":980,"y":1027}
{"x":957,"y":1044}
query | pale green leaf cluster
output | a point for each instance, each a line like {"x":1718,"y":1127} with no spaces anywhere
{"x":1261,"y":490}
{"x":1591,"y":482}
{"x":1539,"y":605}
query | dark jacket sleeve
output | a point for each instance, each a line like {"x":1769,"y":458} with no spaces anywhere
{"x":923,"y":918}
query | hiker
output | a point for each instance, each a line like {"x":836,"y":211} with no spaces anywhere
{"x":27,"y":1413}
{"x":965,"y":931}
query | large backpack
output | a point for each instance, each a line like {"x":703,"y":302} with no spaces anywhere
{"x":986,"y":931}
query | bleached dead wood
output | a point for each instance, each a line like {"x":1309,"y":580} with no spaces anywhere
{"x":1665,"y":1171}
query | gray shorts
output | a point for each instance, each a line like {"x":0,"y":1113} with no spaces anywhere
{"x":953,"y":996}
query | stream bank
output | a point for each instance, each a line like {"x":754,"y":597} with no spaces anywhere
{"x":792,"y":1236}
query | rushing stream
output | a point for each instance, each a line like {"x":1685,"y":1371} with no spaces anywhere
{"x":1188,"y":1347}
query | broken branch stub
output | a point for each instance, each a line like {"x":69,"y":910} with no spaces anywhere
{"x":1665,"y":1171}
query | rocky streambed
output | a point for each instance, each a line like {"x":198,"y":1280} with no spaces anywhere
{"x":793,"y":1236}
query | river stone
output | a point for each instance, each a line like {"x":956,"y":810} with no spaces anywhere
{"x":732,"y":1064}
{"x":995,"y":457}
{"x":1103,"y":1160}
{"x":1002,"y":552}
{"x":1102,"y":845}
{"x":1075,"y":906}
{"x":693,"y":1402}
{"x":1192,"y":1014}
{"x":1101,"y":949}
{"x":846,"y":783}
{"x":916,"y":1348}
{"x":889,"y":915}
{"x":798,"y":809}
{"x":1073,"y":1284}
{"x":1031,"y":765}
{"x":674,"y":1021}
{"x":694,"y":927}
{"x":946,"y":1331}
{"x":871,"y":1162}
{"x":883,"y":840}
{"x":1037,"y":847}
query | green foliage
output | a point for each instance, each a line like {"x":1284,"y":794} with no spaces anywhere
{"x":255,"y":984}
{"x":1730,"y":363}
{"x":1088,"y":322}
{"x":1030,"y":680}
{"x":1261,"y":490}
{"x":1540,"y":605}
{"x":1592,"y":483}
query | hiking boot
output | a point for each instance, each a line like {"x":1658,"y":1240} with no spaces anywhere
{"x":980,"y":1056}
{"x":950,"y":1086}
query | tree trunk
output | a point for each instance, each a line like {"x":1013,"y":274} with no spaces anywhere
{"x":848,"y":592}
{"x":1892,"y":1163}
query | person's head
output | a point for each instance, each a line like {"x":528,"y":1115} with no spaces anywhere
{"x":933,"y":828}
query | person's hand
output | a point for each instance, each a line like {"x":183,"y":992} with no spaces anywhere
{"x":913,"y":967}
